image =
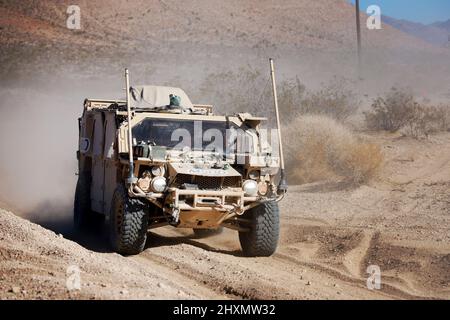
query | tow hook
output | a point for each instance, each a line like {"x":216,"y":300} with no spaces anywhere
{"x":176,"y":215}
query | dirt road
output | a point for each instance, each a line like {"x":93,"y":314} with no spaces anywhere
{"x":331,"y":232}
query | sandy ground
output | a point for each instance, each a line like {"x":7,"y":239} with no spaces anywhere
{"x":331,"y":233}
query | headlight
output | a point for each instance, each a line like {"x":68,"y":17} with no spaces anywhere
{"x":157,"y":171}
{"x":254,"y":174}
{"x":250,"y":188}
{"x":263,"y":188}
{"x":144,"y":183}
{"x":158,"y":184}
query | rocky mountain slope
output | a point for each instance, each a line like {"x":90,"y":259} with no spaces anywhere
{"x":437,"y":33}
{"x":250,"y":23}
{"x":182,"y":42}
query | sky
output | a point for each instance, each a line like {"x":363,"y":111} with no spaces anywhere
{"x":424,"y":11}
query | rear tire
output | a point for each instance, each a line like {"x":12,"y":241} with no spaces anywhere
{"x":205,"y":233}
{"x":262,"y":238}
{"x":128,"y":223}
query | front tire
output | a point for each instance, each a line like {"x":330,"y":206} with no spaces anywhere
{"x":261,"y":240}
{"x":129,"y":220}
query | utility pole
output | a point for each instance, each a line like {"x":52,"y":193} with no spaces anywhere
{"x":358,"y":36}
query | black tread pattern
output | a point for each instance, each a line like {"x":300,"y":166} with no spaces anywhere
{"x":128,"y":225}
{"x":262,"y":239}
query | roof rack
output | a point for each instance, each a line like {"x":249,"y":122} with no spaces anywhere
{"x":206,"y":108}
{"x":90,"y":104}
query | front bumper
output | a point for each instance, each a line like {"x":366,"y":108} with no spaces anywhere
{"x":224,"y":200}
{"x":206,"y":208}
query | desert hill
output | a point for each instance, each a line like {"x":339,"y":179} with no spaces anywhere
{"x":169,"y":41}
{"x":251,"y":23}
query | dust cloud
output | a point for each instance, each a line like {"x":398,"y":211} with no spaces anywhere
{"x":39,"y":138}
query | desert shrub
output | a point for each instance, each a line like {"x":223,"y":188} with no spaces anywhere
{"x":391,"y":112}
{"x":244,"y":90}
{"x":334,"y":100}
{"x":399,"y":110}
{"x":320,"y":148}
{"x":291,"y":92}
{"x":422,"y":121}
{"x":248,"y":89}
{"x":359,"y":161}
{"x":442,"y":116}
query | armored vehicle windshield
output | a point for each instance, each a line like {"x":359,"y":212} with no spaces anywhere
{"x":204,"y":135}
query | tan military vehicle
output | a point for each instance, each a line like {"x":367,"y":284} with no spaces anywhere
{"x":156,"y":159}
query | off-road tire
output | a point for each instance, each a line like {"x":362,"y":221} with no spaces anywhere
{"x":128,"y":223}
{"x":262,"y":238}
{"x":82,"y":203}
{"x":205,"y":233}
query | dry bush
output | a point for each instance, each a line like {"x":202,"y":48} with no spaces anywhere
{"x":398,"y":110}
{"x":249,"y":90}
{"x":442,"y":116}
{"x":320,"y":148}
{"x":391,"y":112}
{"x":244,"y":90}
{"x":291,"y":93}
{"x":422,"y":121}
{"x":359,"y":161}
{"x":425,"y":120}
{"x":334,"y":100}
